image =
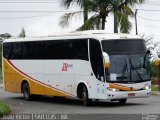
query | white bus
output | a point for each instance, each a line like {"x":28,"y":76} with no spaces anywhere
{"x":77,"y":65}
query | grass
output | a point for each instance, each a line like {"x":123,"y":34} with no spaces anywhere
{"x":4,"y":109}
{"x":154,"y":87}
{"x":0,"y":74}
{"x":0,"y":62}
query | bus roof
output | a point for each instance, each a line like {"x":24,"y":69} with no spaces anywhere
{"x":97,"y":34}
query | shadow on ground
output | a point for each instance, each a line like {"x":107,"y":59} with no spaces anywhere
{"x":74,"y":102}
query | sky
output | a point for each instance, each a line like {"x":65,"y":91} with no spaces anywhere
{"x":46,"y":23}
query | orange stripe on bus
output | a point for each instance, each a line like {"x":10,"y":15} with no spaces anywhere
{"x":121,"y":87}
{"x":32,"y":79}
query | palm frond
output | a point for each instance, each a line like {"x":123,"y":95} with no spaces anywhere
{"x":128,"y":11}
{"x":122,"y":3}
{"x":66,"y":3}
{"x":67,"y":17}
{"x":135,"y":2}
{"x":91,"y":24}
{"x":81,"y":3}
{"x":124,"y":23}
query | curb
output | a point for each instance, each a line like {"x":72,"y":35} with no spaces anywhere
{"x":155,"y":93}
{"x":1,"y":85}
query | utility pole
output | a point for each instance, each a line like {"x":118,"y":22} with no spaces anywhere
{"x":136,"y":21}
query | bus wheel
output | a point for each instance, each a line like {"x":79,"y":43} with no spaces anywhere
{"x":26,"y":91}
{"x":122,"y":101}
{"x":85,"y":99}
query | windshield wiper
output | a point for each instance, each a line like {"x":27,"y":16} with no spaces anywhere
{"x":146,"y":63}
{"x":132,"y":68}
{"x":124,"y":69}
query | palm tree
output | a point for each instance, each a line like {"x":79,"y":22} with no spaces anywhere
{"x":22,"y":33}
{"x":82,"y":3}
{"x":90,"y":5}
{"x":101,"y":10}
{"x":104,"y":7}
{"x":126,"y":11}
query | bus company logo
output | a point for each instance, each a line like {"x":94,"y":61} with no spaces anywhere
{"x":65,"y":66}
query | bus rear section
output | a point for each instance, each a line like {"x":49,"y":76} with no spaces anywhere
{"x":52,"y":67}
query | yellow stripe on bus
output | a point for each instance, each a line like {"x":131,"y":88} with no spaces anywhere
{"x":120,"y":87}
{"x":13,"y":79}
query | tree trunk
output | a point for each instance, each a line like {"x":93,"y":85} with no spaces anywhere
{"x":103,"y":22}
{"x":85,"y":16}
{"x":115,"y":24}
{"x":85,"y":10}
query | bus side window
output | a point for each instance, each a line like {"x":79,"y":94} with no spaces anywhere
{"x":80,"y":49}
{"x":7,"y":48}
{"x":96,"y":59}
{"x":17,"y":51}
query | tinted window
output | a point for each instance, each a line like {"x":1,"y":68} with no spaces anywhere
{"x":123,"y":46}
{"x":57,"y":49}
{"x":7,"y":48}
{"x":80,"y":49}
{"x":96,"y":59}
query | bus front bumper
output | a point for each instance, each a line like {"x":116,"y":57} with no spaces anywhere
{"x":128,"y":94}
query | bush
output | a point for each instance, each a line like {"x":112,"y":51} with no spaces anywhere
{"x":154,"y":87}
{"x":154,"y":70}
{"x":0,"y":54}
{"x":4,"y":109}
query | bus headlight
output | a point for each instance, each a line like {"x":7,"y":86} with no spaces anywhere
{"x":147,"y":88}
{"x":112,"y":89}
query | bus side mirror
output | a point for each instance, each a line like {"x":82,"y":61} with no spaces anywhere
{"x":156,"y":58}
{"x":106,"y":60}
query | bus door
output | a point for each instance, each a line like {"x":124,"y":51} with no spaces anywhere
{"x":96,"y":60}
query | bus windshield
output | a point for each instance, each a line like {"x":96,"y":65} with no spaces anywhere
{"x":129,"y":61}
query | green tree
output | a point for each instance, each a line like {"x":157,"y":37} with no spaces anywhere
{"x":101,"y":10}
{"x":82,"y":3}
{"x":22,"y":34}
{"x":5,"y":36}
{"x":126,"y":11}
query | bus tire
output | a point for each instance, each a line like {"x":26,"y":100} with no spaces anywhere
{"x":86,"y":101}
{"x":122,"y":101}
{"x":26,"y":91}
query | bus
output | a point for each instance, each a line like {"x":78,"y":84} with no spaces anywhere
{"x":88,"y":65}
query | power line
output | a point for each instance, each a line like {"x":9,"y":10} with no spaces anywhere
{"x":154,"y":1}
{"x":153,"y":4}
{"x":152,"y":27}
{"x":34,"y":15}
{"x":39,"y":11}
{"x":148,"y":26}
{"x":27,"y":0}
{"x":26,"y":17}
{"x":149,"y":10}
{"x":31,"y":2}
{"x":148,"y":19}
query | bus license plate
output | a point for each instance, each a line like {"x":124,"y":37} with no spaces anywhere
{"x":131,"y":94}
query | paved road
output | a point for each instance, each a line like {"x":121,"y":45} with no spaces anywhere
{"x":49,"y":105}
